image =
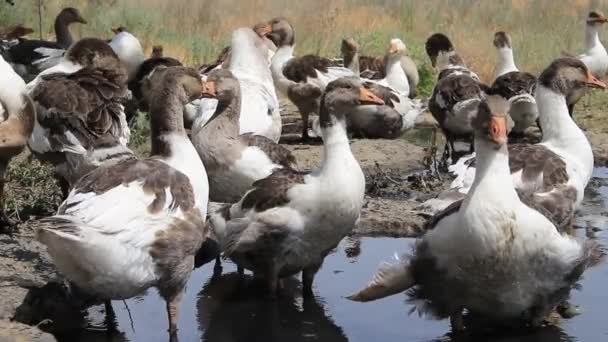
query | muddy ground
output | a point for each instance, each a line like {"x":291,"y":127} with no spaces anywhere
{"x":397,"y":181}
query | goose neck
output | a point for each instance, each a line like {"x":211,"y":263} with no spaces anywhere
{"x":62,"y":33}
{"x":506,"y":62}
{"x":226,"y":117}
{"x":395,"y":75}
{"x":592,"y":38}
{"x":351,"y":61}
{"x":558,"y":126}
{"x":492,"y":172}
{"x":166,"y":118}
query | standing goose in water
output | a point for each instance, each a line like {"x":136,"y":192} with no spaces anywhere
{"x":555,"y":172}
{"x":490,"y":254}
{"x":301,"y":79}
{"x":30,"y":57}
{"x":16,"y":124}
{"x":515,"y":86}
{"x":289,"y":221}
{"x":137,"y":224}
{"x":80,"y":121}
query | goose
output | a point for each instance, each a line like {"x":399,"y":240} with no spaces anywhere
{"x":456,"y":94}
{"x":144,"y":70}
{"x":489,"y":254}
{"x":223,"y":59}
{"x":374,"y":68}
{"x":260,"y":113}
{"x":128,"y":49}
{"x":157,"y":51}
{"x":595,"y":56}
{"x":16,"y":124}
{"x":289,"y":221}
{"x":397,"y":115}
{"x":80,"y":121}
{"x":137,"y":224}
{"x":301,"y":79}
{"x":556,"y":171}
{"x":234,"y":161}
{"x":514,"y":85}
{"x":30,"y":57}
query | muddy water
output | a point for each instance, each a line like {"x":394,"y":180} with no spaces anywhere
{"x":224,"y":308}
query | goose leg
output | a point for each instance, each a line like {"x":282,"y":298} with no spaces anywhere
{"x":6,"y":223}
{"x":305,"y":136}
{"x":110,"y":316}
{"x":456,"y":321}
{"x":308,"y":277}
{"x":173,"y":314}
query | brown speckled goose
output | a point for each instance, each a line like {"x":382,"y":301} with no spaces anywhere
{"x":491,"y":254}
{"x":80,"y":121}
{"x":374,"y":68}
{"x":16,"y":124}
{"x":30,"y":57}
{"x":457,"y":93}
{"x":301,"y":79}
{"x":233,"y":161}
{"x":137,"y":224}
{"x":515,"y":86}
{"x":288,"y":222}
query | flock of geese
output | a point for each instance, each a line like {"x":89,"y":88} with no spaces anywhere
{"x":218,"y":179}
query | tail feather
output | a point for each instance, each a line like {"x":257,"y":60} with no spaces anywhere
{"x":391,"y":279}
{"x":58,"y":227}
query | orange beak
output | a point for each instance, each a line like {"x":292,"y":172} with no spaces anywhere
{"x":498,"y":129}
{"x":594,"y":82}
{"x":264,"y":30}
{"x":367,"y":97}
{"x":209,"y":89}
{"x":393,"y":48}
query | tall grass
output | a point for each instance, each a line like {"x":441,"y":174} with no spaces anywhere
{"x":194,"y":31}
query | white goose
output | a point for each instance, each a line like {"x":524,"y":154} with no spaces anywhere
{"x":291,"y":220}
{"x":556,"y":171}
{"x":260,"y":113}
{"x":16,"y":123}
{"x":132,"y":225}
{"x":595,"y":56}
{"x":301,"y":79}
{"x":514,"y":85}
{"x":128,"y":49}
{"x":490,"y":254}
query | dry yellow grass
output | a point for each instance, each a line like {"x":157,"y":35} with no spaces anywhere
{"x":195,"y":31}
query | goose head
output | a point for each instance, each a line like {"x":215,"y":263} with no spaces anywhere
{"x":157,"y":51}
{"x":437,"y":43}
{"x":70,"y":15}
{"x":95,"y":53}
{"x":396,"y":50}
{"x":567,"y":75}
{"x":342,"y":96}
{"x":490,"y":125}
{"x":119,"y":29}
{"x":279,"y":31}
{"x":178,"y":82}
{"x":349,"y":47}
{"x":221,"y":85}
{"x":502,"y":40}
{"x":596,"y":19}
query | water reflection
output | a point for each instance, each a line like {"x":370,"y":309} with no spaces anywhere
{"x":232,"y":309}
{"x":549,"y":333}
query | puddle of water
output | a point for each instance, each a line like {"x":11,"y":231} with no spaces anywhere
{"x":226,"y":309}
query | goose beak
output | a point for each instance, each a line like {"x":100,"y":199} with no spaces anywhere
{"x":498,"y":129}
{"x":367,"y":97}
{"x":264,"y":30}
{"x":393,"y":48}
{"x":593,"y":82}
{"x":209,"y":89}
{"x":81,"y":20}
